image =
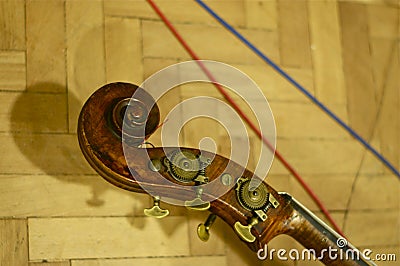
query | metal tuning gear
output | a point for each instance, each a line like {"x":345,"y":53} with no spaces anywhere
{"x":256,"y":200}
{"x":203,"y":230}
{"x":198,"y":204}
{"x":251,"y":198}
{"x":156,"y":211}
{"x":183,"y":166}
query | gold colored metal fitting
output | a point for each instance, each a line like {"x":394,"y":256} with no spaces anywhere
{"x":197,"y":204}
{"x":203,"y":230}
{"x":244,"y":231}
{"x":156,"y":211}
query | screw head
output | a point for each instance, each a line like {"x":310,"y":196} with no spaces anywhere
{"x":226,"y":179}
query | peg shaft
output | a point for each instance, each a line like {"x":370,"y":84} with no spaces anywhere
{"x":203,"y":230}
{"x":156,"y":211}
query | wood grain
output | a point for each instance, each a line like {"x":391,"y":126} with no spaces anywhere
{"x":13,"y":242}
{"x":357,"y":65}
{"x":86,"y":68}
{"x":12,"y":71}
{"x":12,"y":25}
{"x":46,"y":36}
{"x":327,"y":54}
{"x":53,"y":263}
{"x":67,"y":238}
{"x":123,"y":60}
{"x":194,"y":261}
{"x":294,"y":37}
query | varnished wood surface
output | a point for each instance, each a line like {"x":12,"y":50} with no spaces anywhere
{"x":128,"y":167}
{"x":54,"y":54}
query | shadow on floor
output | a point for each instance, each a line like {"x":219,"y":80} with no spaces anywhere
{"x":39,"y":123}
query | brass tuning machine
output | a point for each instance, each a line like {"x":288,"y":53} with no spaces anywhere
{"x":257,"y":200}
{"x":156,"y":211}
{"x":244,"y":231}
{"x":197,"y":203}
{"x":203,"y":230}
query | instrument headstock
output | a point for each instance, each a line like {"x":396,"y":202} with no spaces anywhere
{"x":118,"y":118}
{"x":182,"y":174}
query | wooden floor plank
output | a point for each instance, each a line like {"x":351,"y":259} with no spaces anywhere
{"x":377,"y":235}
{"x":357,"y":65}
{"x":383,"y":21}
{"x":294,"y":38}
{"x":45,"y":38}
{"x":384,"y":185}
{"x":209,"y":42}
{"x":12,"y":25}
{"x":71,"y":196}
{"x":48,"y":117}
{"x":85,"y":54}
{"x":290,"y":122}
{"x":59,"y":154}
{"x":123,"y":50}
{"x":108,"y":237}
{"x":169,"y":261}
{"x":382,"y":52}
{"x":12,"y":71}
{"x":338,"y":187}
{"x":276,"y":88}
{"x":190,"y":12}
{"x":13,"y":242}
{"x":320,"y":156}
{"x":327,"y":53}
{"x":53,"y":263}
{"x":262,"y":14}
{"x":389,"y":119}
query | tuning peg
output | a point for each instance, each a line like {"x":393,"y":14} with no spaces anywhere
{"x":203,"y":230}
{"x":156,"y":211}
{"x":244,"y":231}
{"x":197,"y":204}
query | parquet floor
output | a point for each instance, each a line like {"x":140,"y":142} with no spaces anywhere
{"x":55,"y":210}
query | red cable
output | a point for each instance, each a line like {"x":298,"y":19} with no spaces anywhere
{"x":246,"y":118}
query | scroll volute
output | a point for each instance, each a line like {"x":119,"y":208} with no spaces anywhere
{"x":99,"y":134}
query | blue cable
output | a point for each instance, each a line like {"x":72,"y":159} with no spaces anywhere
{"x":299,"y":87}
